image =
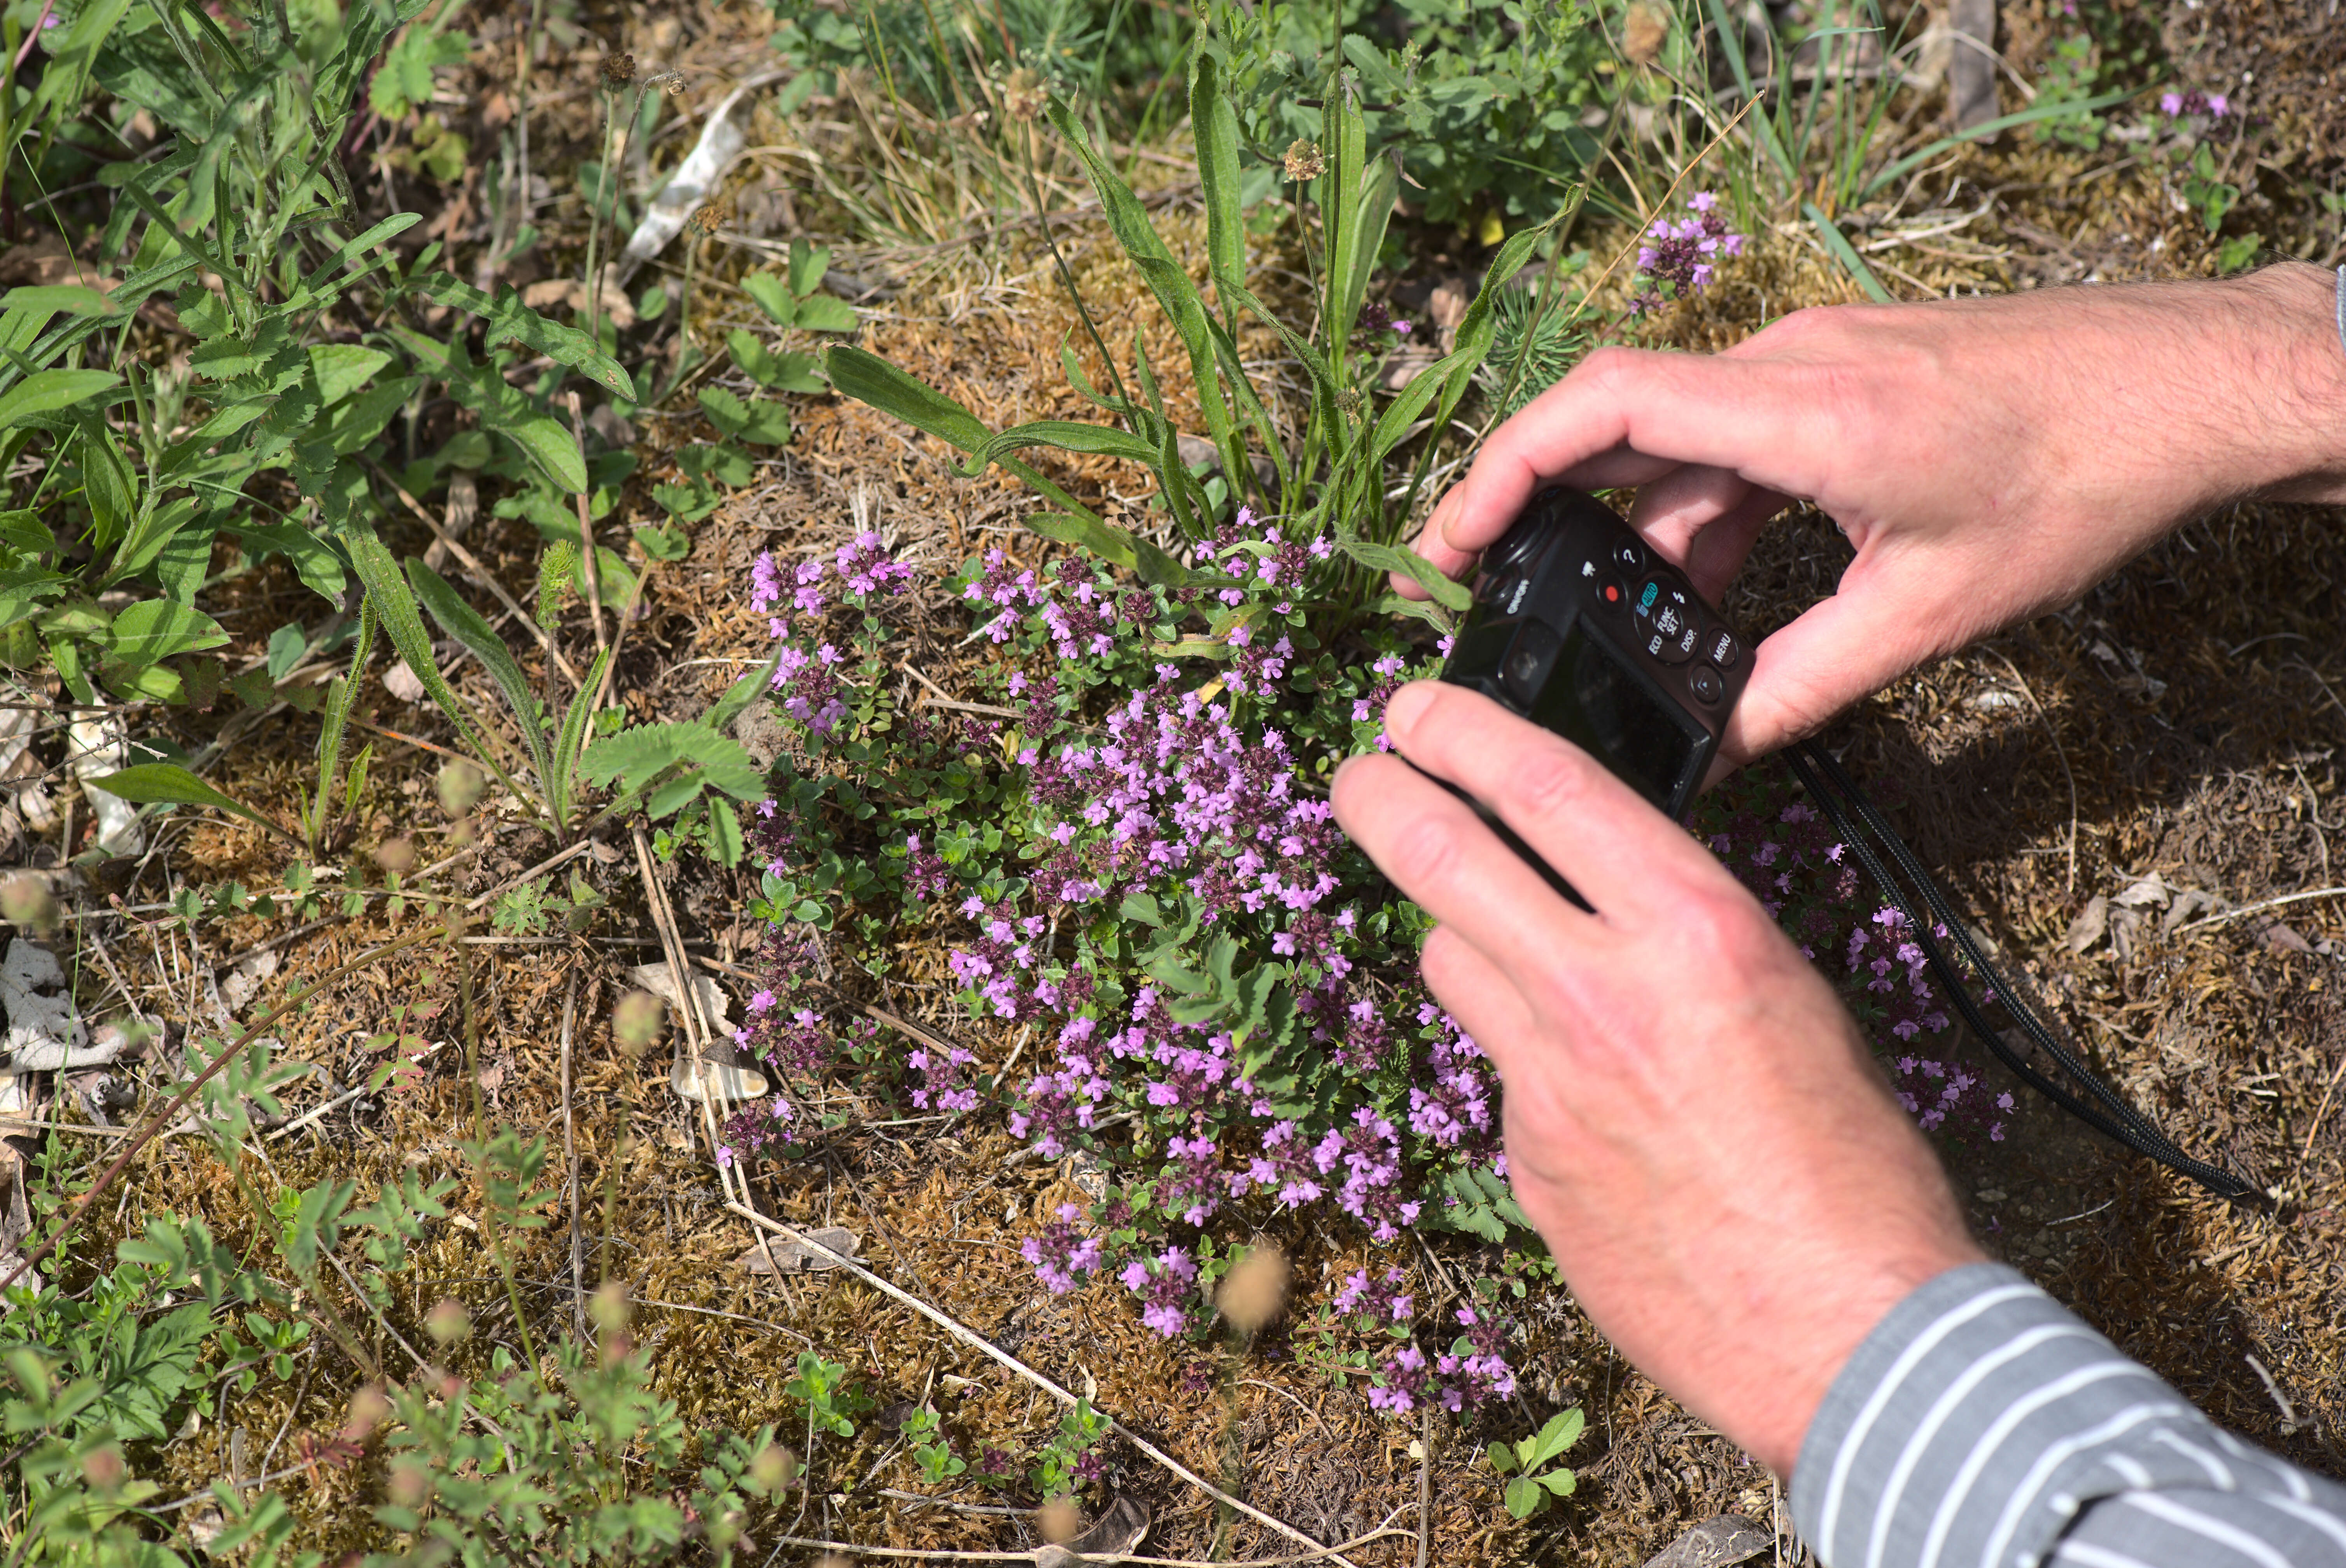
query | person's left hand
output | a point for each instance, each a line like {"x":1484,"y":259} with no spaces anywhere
{"x":1693,"y":1121}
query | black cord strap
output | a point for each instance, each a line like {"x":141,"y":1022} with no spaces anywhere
{"x":2093,"y":1103}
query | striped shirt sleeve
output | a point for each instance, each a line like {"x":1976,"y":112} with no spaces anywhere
{"x":1982,"y":1425}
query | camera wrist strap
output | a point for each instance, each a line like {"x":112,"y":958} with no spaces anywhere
{"x":2093,"y":1102}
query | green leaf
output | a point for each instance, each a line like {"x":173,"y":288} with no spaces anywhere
{"x":807,"y":265}
{"x":26,"y":533}
{"x":1525,"y":1497}
{"x":822,"y":313}
{"x":772,"y":295}
{"x":395,"y":605}
{"x":1114,"y":545}
{"x":549,"y":443}
{"x":1502,"y":1457}
{"x":1216,"y":125}
{"x":1140,"y":907}
{"x":343,"y":368}
{"x":1067,"y":435}
{"x":45,"y":392}
{"x":641,"y":754}
{"x":465,"y":623}
{"x":791,"y":373}
{"x":507,"y":317}
{"x":70,"y":299}
{"x":1560,"y":1482}
{"x":868,"y":378}
{"x":1846,"y":254}
{"x":167,"y":784}
{"x":153,"y":630}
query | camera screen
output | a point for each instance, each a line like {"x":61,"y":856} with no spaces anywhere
{"x":1597,"y":701}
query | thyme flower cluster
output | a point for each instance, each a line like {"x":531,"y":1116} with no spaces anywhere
{"x":1679,"y":258}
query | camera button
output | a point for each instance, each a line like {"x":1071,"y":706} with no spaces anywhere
{"x":1630,"y":556}
{"x":1724,"y":650}
{"x":1611,"y":595}
{"x":1673,"y":626}
{"x":1706,"y":684}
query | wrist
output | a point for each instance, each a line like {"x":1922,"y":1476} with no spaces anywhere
{"x":2288,"y":384}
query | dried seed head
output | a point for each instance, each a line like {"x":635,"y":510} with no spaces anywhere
{"x":669,"y":82}
{"x":103,"y":1468}
{"x":1061,"y":1520}
{"x":636,"y":1020}
{"x":1643,"y":30}
{"x":618,"y":70}
{"x":411,"y":1482}
{"x":708,"y":218}
{"x":1254,"y":1290}
{"x":26,"y":899}
{"x":368,"y":1410}
{"x":461,"y":784}
{"x":448,"y":1322}
{"x":610,"y":1307}
{"x":774,"y":1469}
{"x":1303,"y":160}
{"x":396,"y":856}
{"x":1023,"y":96}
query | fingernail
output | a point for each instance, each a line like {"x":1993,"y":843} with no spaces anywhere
{"x":1405,"y":707}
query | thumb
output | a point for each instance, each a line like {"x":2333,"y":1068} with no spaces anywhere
{"x":1839,"y":652}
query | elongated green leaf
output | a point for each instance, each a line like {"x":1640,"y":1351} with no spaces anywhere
{"x":1067,"y":435}
{"x":467,"y":625}
{"x":1476,"y":328}
{"x":45,"y":392}
{"x":739,"y":696}
{"x":547,"y":442}
{"x":1112,"y":543}
{"x":344,"y":692}
{"x":2041,"y":111}
{"x":868,"y":378}
{"x":573,"y":735}
{"x":167,"y":784}
{"x":508,"y":317}
{"x":1323,"y":380}
{"x":1728,"y":28}
{"x":1845,"y":253}
{"x":395,"y":605}
{"x":1176,"y":296}
{"x":1372,"y":214}
{"x":1216,"y":126}
{"x":73,"y":298}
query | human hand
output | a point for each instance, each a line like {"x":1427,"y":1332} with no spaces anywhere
{"x":1989,"y":459}
{"x":1691,"y":1120}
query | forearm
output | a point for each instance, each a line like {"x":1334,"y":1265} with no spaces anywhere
{"x":2303,"y":376}
{"x":1983,"y":1423}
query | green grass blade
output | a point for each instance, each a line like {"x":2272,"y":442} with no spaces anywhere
{"x":1991,"y":127}
{"x":1067,"y":435}
{"x":1846,"y":254}
{"x":1730,"y":43}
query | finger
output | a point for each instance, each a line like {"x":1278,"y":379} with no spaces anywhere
{"x":1626,"y":858}
{"x":1839,"y":652}
{"x":1705,"y":520}
{"x":1731,"y":413}
{"x":1478,"y":995}
{"x":1442,"y":856}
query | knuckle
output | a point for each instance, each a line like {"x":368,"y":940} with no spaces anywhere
{"x":1546,"y":783}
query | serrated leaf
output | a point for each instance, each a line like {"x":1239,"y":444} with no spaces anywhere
{"x":822,"y":313}
{"x":772,"y":295}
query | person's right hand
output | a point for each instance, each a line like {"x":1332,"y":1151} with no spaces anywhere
{"x":1989,"y":459}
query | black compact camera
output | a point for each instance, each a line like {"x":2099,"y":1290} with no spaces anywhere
{"x":1580,"y":627}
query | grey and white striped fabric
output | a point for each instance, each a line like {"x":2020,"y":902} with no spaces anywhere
{"x":1982,"y":1425}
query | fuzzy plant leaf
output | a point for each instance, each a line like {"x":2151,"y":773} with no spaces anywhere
{"x":167,"y":784}
{"x":467,"y":626}
{"x":507,"y":317}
